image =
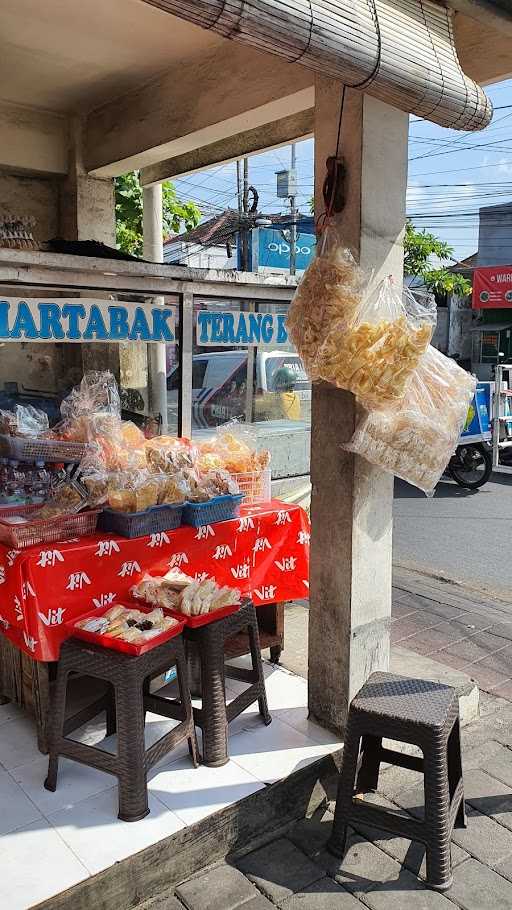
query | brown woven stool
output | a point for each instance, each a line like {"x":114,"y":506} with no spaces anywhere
{"x":422,"y":713}
{"x":126,"y":676}
{"x":206,"y":655}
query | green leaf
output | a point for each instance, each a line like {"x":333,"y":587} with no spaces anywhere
{"x":176,"y":215}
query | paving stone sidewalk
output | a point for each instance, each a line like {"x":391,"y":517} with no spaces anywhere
{"x":456,"y":627}
{"x":293,"y":871}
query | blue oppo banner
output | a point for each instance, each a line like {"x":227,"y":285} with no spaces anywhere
{"x":79,"y":319}
{"x":228,"y":328}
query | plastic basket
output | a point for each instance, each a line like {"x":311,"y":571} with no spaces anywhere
{"x":7,"y":510}
{"x":116,"y":644}
{"x":32,"y":448}
{"x":47,"y":530}
{"x":139,"y":524}
{"x":256,"y":486}
{"x":221,"y":508}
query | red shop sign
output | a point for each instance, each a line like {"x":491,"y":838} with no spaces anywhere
{"x":492,"y":287}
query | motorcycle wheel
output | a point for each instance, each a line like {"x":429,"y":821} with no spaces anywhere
{"x":471,"y":466}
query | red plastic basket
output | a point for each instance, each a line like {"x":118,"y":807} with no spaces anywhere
{"x":193,"y":622}
{"x":115,"y":644}
{"x":46,"y":530}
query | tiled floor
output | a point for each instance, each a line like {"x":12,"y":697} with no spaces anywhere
{"x":51,"y":841}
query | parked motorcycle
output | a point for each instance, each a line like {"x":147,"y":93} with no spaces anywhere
{"x":471,"y":465}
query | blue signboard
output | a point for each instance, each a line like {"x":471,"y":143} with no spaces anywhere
{"x":274,"y":249}
{"x":79,"y":319}
{"x":478,"y":423}
{"x":229,"y":328}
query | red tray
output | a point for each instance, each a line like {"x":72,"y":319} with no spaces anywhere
{"x":193,"y":622}
{"x":116,"y":644}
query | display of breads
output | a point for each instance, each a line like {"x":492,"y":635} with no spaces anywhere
{"x":128,"y":624}
{"x":124,"y":471}
{"x":179,"y":592}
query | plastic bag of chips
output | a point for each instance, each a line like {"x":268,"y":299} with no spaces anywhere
{"x":373,"y":351}
{"x":416,"y":437}
{"x":330,"y":290}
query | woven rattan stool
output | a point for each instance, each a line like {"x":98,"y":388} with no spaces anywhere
{"x":422,"y":713}
{"x":126,"y":676}
{"x":206,"y":655}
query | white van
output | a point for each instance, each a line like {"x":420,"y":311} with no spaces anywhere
{"x":219,"y":382}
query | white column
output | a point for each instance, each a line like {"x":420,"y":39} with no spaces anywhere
{"x":154,"y":251}
{"x":351,"y":502}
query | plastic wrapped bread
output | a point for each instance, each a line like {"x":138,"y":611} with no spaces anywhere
{"x":416,"y":438}
{"x":374,"y":352}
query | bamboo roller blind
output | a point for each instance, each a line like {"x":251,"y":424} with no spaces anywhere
{"x":403,"y":49}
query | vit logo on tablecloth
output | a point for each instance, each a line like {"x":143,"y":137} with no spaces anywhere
{"x":303,"y":537}
{"x":30,"y":642}
{"x":286,"y":564}
{"x":2,"y":574}
{"x":107,"y":547}
{"x":241,"y":571}
{"x":268,"y":592}
{"x":204,"y":532}
{"x":128,"y":569}
{"x":53,"y":617}
{"x":3,"y":622}
{"x":245,"y":524}
{"x":77,"y":580}
{"x":261,"y":545}
{"x":18,"y":609}
{"x":177,"y":560}
{"x":11,"y":556}
{"x":158,"y":539}
{"x":222,"y":551}
{"x":104,"y":600}
{"x":49,"y":558}
{"x":201,"y":576}
{"x":26,"y":589}
{"x":283,"y":518}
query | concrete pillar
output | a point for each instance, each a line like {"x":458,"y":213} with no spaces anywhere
{"x":351,"y":502}
{"x":154,"y":251}
{"x":86,"y":203}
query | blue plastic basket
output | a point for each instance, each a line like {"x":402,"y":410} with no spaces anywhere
{"x":221,"y":508}
{"x":138,"y":524}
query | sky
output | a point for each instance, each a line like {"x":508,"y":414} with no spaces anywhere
{"x":451,"y":174}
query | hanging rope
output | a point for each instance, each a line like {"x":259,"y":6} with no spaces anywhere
{"x":335,"y":169}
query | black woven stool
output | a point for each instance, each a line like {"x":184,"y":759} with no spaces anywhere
{"x":425,"y":714}
{"x":206,"y":655}
{"x":126,"y":676}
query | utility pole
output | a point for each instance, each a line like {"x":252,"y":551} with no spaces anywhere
{"x":245,"y":208}
{"x":293,"y":213}
{"x":239,"y":186}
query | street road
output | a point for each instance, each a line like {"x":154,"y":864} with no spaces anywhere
{"x":461,"y":535}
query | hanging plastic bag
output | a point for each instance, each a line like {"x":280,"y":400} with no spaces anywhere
{"x":374,"y":352}
{"x":416,"y":438}
{"x":97,"y":394}
{"x":330,"y":290}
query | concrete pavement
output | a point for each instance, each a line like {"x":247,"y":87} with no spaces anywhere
{"x":462,"y":535}
{"x":292,"y":870}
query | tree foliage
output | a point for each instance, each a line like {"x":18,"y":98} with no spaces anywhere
{"x":419,"y":246}
{"x":177,"y":215}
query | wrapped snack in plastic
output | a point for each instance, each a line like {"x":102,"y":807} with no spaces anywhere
{"x":374,"y":355}
{"x":31,"y":421}
{"x":156,"y":591}
{"x":330,"y":290}
{"x":97,"y":393}
{"x":172,"y":488}
{"x":416,"y":438}
{"x":68,"y":498}
{"x":233,"y":448}
{"x":170,"y":454}
{"x":133,"y":491}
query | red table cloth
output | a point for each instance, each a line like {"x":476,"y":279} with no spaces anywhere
{"x":264,"y":553}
